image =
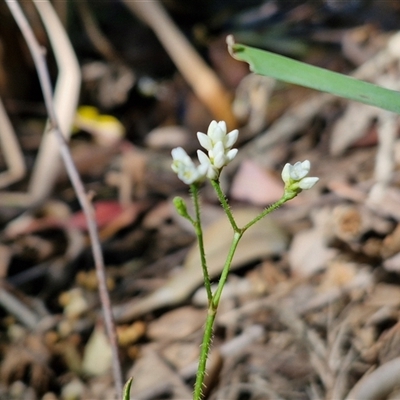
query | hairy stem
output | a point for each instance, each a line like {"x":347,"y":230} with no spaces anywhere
{"x":205,"y":349}
{"x":224,"y":203}
{"x":224,"y":275}
{"x":286,"y":197}
{"x":199,"y":233}
{"x":216,"y":297}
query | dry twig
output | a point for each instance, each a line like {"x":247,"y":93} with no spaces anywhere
{"x":41,"y":67}
{"x":65,"y":99}
{"x":11,"y":151}
{"x":378,"y":384}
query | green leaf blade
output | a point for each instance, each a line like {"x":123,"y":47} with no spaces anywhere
{"x":285,"y":69}
{"x":127,"y":390}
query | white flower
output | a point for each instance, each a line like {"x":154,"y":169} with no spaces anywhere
{"x":295,"y":178}
{"x":218,"y":144}
{"x":184,"y":167}
{"x":308,"y":183}
{"x":295,"y":172}
{"x":211,"y":171}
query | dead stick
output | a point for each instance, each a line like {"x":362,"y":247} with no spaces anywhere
{"x":41,"y":67}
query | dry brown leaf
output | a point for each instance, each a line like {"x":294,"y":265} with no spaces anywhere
{"x":181,"y":354}
{"x":30,"y":356}
{"x":168,"y":137}
{"x":90,"y":159}
{"x":176,"y":324}
{"x":388,"y":205}
{"x":391,"y":243}
{"x":389,"y":344}
{"x":233,"y":289}
{"x":52,"y":214}
{"x":153,"y":377}
{"x":348,"y":222}
{"x":74,"y":303}
{"x":384,"y":295}
{"x":256,"y":185}
{"x":392,"y":263}
{"x":351,"y":127}
{"x":129,"y":334}
{"x":5,"y":258}
{"x":309,"y":251}
{"x":338,"y":274}
{"x":97,"y":355}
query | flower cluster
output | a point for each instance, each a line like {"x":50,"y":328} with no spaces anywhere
{"x":219,"y":146}
{"x":218,"y":143}
{"x":185,"y":168}
{"x":295,"y":177}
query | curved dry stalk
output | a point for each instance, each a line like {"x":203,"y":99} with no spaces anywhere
{"x":44,"y":78}
{"x":379,"y":383}
{"x":92,"y":29}
{"x":65,"y":100}
{"x":11,"y":151}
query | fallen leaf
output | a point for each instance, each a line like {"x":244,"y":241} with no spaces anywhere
{"x":176,"y":324}
{"x":351,"y":127}
{"x":152,"y":375}
{"x":168,"y":137}
{"x":97,"y":355}
{"x":308,"y":251}
{"x":105,"y":211}
{"x":256,"y":185}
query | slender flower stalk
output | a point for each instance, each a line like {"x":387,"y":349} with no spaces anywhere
{"x":218,"y":144}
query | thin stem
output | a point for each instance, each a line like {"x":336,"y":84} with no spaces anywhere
{"x":224,"y":275}
{"x":199,"y":233}
{"x":205,"y":349}
{"x":212,"y":312}
{"x":286,"y":197}
{"x":224,"y":203}
{"x":41,"y":67}
{"x":213,"y":305}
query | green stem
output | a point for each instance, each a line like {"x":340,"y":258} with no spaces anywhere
{"x":286,"y":197}
{"x":212,"y":312}
{"x":224,"y":203}
{"x":205,"y":349}
{"x":224,"y":275}
{"x":215,"y":298}
{"x":199,"y":233}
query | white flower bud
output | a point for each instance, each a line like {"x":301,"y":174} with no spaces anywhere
{"x":184,"y":167}
{"x":219,"y":146}
{"x":295,"y":178}
{"x":211,"y":171}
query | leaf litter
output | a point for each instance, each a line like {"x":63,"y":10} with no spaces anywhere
{"x":312,"y":305}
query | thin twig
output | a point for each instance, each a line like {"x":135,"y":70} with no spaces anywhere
{"x":17,"y":308}
{"x":11,"y":151}
{"x":92,"y":29}
{"x":41,"y":67}
{"x":377,"y":384}
{"x":65,"y":100}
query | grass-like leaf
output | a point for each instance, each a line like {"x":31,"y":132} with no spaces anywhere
{"x":285,"y":69}
{"x":127,"y":389}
